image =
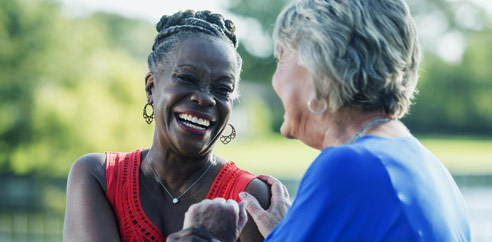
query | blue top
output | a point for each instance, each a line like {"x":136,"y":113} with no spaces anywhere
{"x":376,"y":189}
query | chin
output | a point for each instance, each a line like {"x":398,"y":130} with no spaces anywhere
{"x":187,"y":143}
{"x":193,"y":148}
{"x":285,"y":131}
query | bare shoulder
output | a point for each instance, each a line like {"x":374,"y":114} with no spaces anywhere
{"x":90,"y":166}
{"x":89,"y":215}
{"x":261,"y":191}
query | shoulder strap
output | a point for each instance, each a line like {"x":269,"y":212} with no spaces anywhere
{"x":111,"y":176}
{"x":240,"y":184}
{"x":230,"y":182}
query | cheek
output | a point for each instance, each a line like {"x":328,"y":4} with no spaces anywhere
{"x":281,"y":84}
{"x":225,"y":110}
{"x":283,"y":88}
{"x":275,"y":82}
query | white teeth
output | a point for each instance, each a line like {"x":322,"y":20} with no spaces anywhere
{"x":201,"y":121}
{"x":196,"y":120}
{"x":193,"y":126}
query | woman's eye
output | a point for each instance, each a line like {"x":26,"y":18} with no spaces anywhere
{"x":224,"y":89}
{"x":186,"y":78}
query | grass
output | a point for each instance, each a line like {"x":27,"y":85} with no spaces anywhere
{"x":461,"y":154}
{"x":273,"y":155}
{"x":285,"y":158}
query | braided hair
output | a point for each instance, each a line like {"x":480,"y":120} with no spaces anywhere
{"x":180,"y":25}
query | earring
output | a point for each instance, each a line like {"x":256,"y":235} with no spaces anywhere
{"x":225,"y":139}
{"x":148,"y":118}
{"x":312,"y":110}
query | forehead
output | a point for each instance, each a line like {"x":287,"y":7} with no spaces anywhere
{"x":206,"y":53}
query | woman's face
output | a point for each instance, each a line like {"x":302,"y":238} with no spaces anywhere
{"x":294,"y":85}
{"x":191,"y":94}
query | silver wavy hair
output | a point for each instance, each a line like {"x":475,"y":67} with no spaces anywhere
{"x":360,"y":53}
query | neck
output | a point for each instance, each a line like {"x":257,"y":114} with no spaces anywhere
{"x":175,"y":170}
{"x":343,"y":125}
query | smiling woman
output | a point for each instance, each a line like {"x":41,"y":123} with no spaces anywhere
{"x":143,"y":195}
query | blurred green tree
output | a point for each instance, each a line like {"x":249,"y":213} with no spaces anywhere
{"x":454,"y":94}
{"x":456,"y":98}
{"x":26,"y":39}
{"x":260,"y":68}
{"x":68,"y":86}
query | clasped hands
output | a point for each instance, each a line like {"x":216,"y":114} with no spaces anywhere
{"x":223,"y":220}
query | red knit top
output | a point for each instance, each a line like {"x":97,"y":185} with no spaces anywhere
{"x":122,"y":170}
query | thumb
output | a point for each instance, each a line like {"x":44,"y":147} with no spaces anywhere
{"x":243,"y":216}
{"x":252,"y":205}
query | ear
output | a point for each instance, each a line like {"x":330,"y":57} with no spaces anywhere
{"x":149,"y":87}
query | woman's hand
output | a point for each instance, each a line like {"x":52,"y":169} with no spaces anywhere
{"x":211,"y":220}
{"x":266,"y":220}
{"x":192,"y":235}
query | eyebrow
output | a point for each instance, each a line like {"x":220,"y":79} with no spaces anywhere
{"x":192,"y":67}
{"x":187,"y":65}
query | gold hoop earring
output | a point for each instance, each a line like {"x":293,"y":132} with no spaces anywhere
{"x":148,"y":118}
{"x":225,"y":139}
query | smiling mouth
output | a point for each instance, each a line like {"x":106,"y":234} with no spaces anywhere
{"x":194,"y":123}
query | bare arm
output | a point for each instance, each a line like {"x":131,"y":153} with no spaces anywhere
{"x":261,"y":191}
{"x":89,"y":215}
{"x":267,"y":219}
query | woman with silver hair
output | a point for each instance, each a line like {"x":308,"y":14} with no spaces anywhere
{"x":346,"y":73}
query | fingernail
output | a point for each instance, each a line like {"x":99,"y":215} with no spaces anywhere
{"x":242,"y":195}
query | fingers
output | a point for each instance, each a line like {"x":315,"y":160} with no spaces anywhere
{"x":233,"y":205}
{"x":270,"y":180}
{"x":190,"y":234}
{"x":279,"y":191}
{"x":220,"y":217}
{"x":195,"y":210}
{"x":252,"y":205}
{"x":219,"y":199}
{"x":198,"y":209}
{"x":286,"y":192}
{"x":243,"y":216}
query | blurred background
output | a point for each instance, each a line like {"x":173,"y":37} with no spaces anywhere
{"x":72,"y":75}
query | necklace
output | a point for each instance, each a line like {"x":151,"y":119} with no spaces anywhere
{"x":367,"y":126}
{"x":176,"y":199}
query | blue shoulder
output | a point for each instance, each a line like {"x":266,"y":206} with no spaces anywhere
{"x":349,"y":165}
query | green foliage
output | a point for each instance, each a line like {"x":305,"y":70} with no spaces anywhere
{"x":456,"y":98}
{"x":255,"y":68}
{"x":26,"y":38}
{"x":68,"y":86}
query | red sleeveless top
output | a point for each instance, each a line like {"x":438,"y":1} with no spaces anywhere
{"x":122,"y":170}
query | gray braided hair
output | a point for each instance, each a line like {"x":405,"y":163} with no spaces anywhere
{"x":184,"y":24}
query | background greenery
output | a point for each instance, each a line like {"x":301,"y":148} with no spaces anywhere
{"x":74,"y":85}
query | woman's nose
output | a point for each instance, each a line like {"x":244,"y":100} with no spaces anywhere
{"x":203,"y":98}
